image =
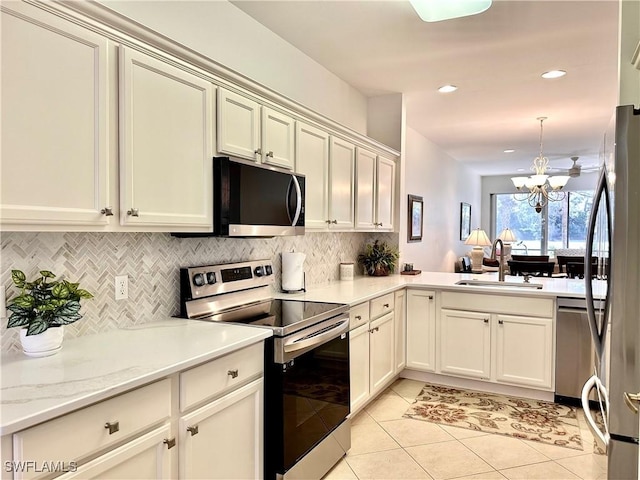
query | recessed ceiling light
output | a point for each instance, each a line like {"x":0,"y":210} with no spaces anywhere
{"x":521,"y":170}
{"x":447,"y":89}
{"x":509,"y":150}
{"x":554,"y":74}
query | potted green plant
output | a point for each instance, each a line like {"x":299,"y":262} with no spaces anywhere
{"x":379,"y":259}
{"x":42,"y":308}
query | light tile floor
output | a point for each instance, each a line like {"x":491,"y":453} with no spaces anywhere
{"x":384,"y":445}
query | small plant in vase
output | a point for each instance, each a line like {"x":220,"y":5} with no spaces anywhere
{"x":379,"y":259}
{"x":42,"y":304}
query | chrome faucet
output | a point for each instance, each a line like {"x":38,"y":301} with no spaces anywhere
{"x":501,"y":263}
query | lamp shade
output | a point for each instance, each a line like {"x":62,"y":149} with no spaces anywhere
{"x":479,"y":238}
{"x":507,"y":235}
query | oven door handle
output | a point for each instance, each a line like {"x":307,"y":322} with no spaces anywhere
{"x":317,"y":338}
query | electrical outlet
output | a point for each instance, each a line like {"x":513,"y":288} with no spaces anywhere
{"x":122,"y":287}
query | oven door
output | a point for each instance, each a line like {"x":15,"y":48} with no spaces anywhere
{"x":310,"y":390}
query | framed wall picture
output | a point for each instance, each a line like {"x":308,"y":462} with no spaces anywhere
{"x":465,"y":221}
{"x":415,"y":219}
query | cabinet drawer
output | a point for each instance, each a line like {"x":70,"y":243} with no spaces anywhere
{"x":85,"y":431}
{"x":517,"y":305}
{"x":225,"y":373}
{"x":382,"y":305}
{"x":358,"y":315}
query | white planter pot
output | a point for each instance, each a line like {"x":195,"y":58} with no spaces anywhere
{"x":43,"y":344}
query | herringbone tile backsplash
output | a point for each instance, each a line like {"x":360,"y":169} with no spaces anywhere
{"x":152,"y":262}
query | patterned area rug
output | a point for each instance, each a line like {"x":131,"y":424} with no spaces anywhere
{"x":527,"y":419}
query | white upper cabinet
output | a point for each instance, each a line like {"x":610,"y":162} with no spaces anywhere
{"x":312,"y":154}
{"x":342,"y":155}
{"x":278,"y":132}
{"x":385,"y":193}
{"x":375,"y":189}
{"x":248,"y":130}
{"x":54,"y":121}
{"x":238,"y":125}
{"x":166,"y":128}
{"x":365,"y":188}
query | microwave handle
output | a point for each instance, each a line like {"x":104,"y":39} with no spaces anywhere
{"x":298,"y":200}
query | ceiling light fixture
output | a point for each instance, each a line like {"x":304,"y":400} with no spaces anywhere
{"x":447,"y":89}
{"x":554,"y":74}
{"x":542,"y":187}
{"x":438,"y":10}
{"x":509,"y":150}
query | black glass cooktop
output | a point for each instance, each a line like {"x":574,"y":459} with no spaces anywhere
{"x":283,"y":316}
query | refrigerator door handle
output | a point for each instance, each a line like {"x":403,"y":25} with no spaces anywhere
{"x":594,"y":382}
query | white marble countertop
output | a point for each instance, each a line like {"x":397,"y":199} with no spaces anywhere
{"x":95,"y":367}
{"x":361,"y":289}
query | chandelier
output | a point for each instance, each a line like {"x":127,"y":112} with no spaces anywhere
{"x":542,"y":187}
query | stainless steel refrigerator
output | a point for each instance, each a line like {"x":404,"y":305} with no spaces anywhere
{"x":614,"y":238}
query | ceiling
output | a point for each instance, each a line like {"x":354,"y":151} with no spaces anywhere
{"x":494,"y":58}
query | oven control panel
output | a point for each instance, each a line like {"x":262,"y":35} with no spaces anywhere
{"x":208,"y":280}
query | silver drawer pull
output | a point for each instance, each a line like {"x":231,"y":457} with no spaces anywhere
{"x":233,"y":373}
{"x":113,"y":427}
{"x":107,"y":211}
{"x":334,"y":222}
{"x":133,"y":212}
{"x":170,"y":442}
{"x":358,"y":317}
{"x":386,"y":305}
{"x":193,"y":430}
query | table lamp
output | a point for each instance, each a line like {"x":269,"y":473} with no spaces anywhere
{"x":507,"y":236}
{"x":478,"y":238}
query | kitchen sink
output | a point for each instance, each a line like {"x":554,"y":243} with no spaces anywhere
{"x":486,"y":283}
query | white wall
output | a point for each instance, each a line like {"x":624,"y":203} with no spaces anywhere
{"x":227,"y":35}
{"x":386,"y":116}
{"x":443,"y":183}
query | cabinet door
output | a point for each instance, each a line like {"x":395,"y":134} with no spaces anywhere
{"x":238,"y":125}
{"x":524,"y":353}
{"x":342,"y":157}
{"x":385,"y":193}
{"x":400,"y":320}
{"x":381,"y":354}
{"x":146,"y":457}
{"x":166,"y":147}
{"x":465,"y":343}
{"x":312,"y":160}
{"x":359,"y":366}
{"x":54,"y":120}
{"x":223,"y":439}
{"x":278,"y":131}
{"x":421,"y":330}
{"x":365,"y":189}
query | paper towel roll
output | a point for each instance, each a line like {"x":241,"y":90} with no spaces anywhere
{"x":293,"y":271}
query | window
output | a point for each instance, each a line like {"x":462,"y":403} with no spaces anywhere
{"x":559,"y":225}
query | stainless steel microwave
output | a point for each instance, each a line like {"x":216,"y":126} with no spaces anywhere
{"x":251,"y":200}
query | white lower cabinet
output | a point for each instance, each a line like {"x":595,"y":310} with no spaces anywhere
{"x":382,"y":359}
{"x":465,"y":343}
{"x":359,"y":366}
{"x":421,"y":330}
{"x":524,"y":350}
{"x":400,"y":326}
{"x":146,"y":457}
{"x":224,"y":438}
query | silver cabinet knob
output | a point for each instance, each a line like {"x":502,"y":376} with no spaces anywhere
{"x":358,"y":317}
{"x":133,"y":212}
{"x":193,"y":430}
{"x":169,"y":442}
{"x":334,"y":221}
{"x":486,"y":320}
{"x":270,"y":154}
{"x":386,"y":305}
{"x":430,"y":297}
{"x":258,"y":151}
{"x":233,"y":373}
{"x":500,"y":322}
{"x":107,"y":211}
{"x":327,"y":221}
{"x":113,"y":427}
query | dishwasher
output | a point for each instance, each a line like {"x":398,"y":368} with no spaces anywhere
{"x":575,"y":355}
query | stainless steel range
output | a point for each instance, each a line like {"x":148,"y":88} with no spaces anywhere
{"x":306,"y":428}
